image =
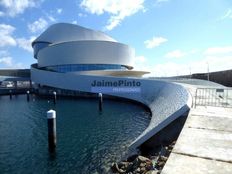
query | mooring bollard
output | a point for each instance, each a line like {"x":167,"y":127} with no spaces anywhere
{"x":51,"y":117}
{"x":54,"y":97}
{"x":10,"y":94}
{"x":100,"y":101}
{"x":28,"y":96}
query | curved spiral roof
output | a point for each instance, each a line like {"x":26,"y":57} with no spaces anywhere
{"x":65,"y":44}
{"x":64,"y":32}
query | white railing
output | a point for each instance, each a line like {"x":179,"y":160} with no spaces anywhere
{"x":218,"y":97}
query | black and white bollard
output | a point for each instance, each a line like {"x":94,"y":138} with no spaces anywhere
{"x":28,"y":96}
{"x":54,"y":97}
{"x":51,"y":117}
{"x":100,"y":101}
{"x":10,"y":94}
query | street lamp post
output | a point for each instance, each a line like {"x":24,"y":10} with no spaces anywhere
{"x":207,"y":71}
{"x":190,"y":72}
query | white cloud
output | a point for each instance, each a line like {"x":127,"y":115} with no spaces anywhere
{"x":162,"y":70}
{"x":2,"y":14}
{"x":74,"y":22}
{"x":41,"y":24}
{"x":82,"y":15}
{"x":6,"y":38}
{"x":118,"y":9}
{"x":175,"y":54}
{"x":15,"y":7}
{"x":59,"y":10}
{"x":228,"y":14}
{"x":219,"y":50}
{"x":139,"y":62}
{"x":3,"y":53}
{"x":7,"y":61}
{"x":38,"y":25}
{"x":113,"y":22}
{"x":154,"y":42}
{"x":169,"y":69}
{"x":140,"y":59}
{"x":17,"y":65}
{"x":51,"y":18}
{"x":218,"y":63}
{"x":26,"y":43}
{"x":193,"y":51}
{"x":216,"y":59}
{"x":159,"y":70}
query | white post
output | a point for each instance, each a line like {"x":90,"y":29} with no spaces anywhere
{"x":100,"y":101}
{"x":54,"y":99}
{"x":51,"y":117}
{"x":28,"y":97}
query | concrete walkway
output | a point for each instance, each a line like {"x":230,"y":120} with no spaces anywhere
{"x":204,"y":145}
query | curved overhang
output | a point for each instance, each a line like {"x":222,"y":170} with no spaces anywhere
{"x":86,"y":52}
{"x":114,"y":73}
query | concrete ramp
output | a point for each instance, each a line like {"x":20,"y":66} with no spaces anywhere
{"x":171,"y":102}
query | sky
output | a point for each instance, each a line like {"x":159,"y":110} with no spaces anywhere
{"x":170,"y":37}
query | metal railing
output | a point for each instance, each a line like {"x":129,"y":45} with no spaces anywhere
{"x":217,"y":97}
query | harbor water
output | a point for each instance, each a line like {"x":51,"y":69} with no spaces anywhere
{"x":88,"y":141}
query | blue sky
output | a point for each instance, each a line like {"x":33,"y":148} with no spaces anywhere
{"x":170,"y":37}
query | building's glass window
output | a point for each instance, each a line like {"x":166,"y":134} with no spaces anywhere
{"x":84,"y":67}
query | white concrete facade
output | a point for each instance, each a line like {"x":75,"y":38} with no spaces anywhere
{"x":86,"y":52}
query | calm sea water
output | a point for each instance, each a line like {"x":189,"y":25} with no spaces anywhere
{"x":87,"y":141}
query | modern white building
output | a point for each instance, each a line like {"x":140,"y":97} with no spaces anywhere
{"x":74,"y":58}
{"x":69,"y":48}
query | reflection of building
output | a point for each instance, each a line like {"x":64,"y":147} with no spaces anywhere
{"x":68,"y":48}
